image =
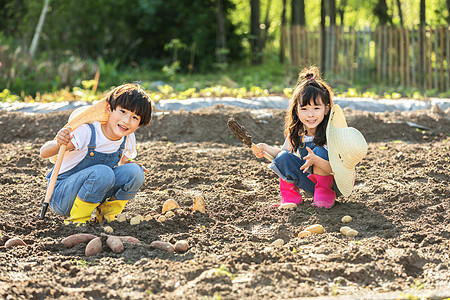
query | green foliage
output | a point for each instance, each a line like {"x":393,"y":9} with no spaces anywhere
{"x":129,"y":31}
{"x":6,"y":96}
{"x":109,"y":73}
{"x":224,"y":271}
{"x":192,"y":23}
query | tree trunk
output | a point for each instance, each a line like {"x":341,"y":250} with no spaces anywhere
{"x":37,"y":33}
{"x":221,"y":40}
{"x":298,"y":12}
{"x":266,"y":26}
{"x":341,"y":11}
{"x":283,"y":33}
{"x":255,"y":32}
{"x":332,"y":12}
{"x":381,"y":11}
{"x":322,"y":35}
{"x":400,"y":13}
{"x":422,"y":13}
{"x":332,"y":37}
{"x":448,"y":8}
{"x":421,"y":65}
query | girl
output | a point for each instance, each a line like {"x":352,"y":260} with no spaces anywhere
{"x":305,"y":150}
{"x":96,"y":173}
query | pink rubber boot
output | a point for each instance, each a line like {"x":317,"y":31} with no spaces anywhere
{"x":289,"y":194}
{"x":324,"y":196}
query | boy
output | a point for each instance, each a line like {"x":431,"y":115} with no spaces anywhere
{"x":96,"y":172}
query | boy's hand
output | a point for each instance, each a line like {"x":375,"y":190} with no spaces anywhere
{"x":259,"y":152}
{"x":129,"y":161}
{"x":310,"y":160}
{"x":63,"y":136}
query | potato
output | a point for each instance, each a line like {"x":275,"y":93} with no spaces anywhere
{"x":304,"y":233}
{"x":129,"y":239}
{"x":164,"y":246}
{"x":346,"y":219}
{"x":170,"y":214}
{"x":181,"y":246}
{"x":199,"y":204}
{"x":135,"y":220}
{"x":162,"y":219}
{"x":115,"y":244}
{"x":316,"y":228}
{"x":278,"y":242}
{"x":108,"y":229}
{"x":78,"y":238}
{"x":169,"y":205}
{"x":352,"y":233}
{"x":124,"y":238}
{"x":121,"y":218}
{"x":287,"y":206}
{"x":94,"y":247}
{"x":14,"y":242}
{"x":345,"y":229}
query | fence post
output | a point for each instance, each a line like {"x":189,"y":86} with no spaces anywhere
{"x":384,"y":58}
{"x":436,"y":58}
{"x":441,"y":81}
{"x":389,"y":53}
{"x":402,"y":57}
{"x":447,"y":50}
{"x":413,"y":62}
{"x":406,"y":56}
{"x":429,"y":58}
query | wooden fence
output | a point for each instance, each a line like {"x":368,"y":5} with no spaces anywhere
{"x":414,"y":57}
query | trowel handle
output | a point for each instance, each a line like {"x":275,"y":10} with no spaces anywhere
{"x":51,"y":184}
{"x":266,"y":155}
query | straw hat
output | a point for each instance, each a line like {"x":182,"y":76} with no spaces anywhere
{"x":86,"y":114}
{"x":346,"y":148}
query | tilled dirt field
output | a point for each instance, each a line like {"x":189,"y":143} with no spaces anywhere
{"x":400,"y":207}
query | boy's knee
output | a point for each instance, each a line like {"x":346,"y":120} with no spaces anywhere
{"x":104,"y":175}
{"x":135,"y":173}
{"x":139,"y":176}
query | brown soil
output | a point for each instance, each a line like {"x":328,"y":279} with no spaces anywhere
{"x":400,"y":207}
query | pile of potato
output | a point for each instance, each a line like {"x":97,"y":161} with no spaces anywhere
{"x":317,"y":229}
{"x":94,"y":243}
{"x":170,"y":207}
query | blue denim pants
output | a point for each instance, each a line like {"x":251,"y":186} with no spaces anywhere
{"x":95,"y":184}
{"x":287,"y":166}
{"x":95,"y":179}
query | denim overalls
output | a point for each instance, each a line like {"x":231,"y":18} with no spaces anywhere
{"x":96,"y":178}
{"x":287,"y":166}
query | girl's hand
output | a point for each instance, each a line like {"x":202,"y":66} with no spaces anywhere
{"x":259,"y":152}
{"x":129,"y":161}
{"x":63,"y":136}
{"x":310,"y":160}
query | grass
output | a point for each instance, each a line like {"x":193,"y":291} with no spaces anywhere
{"x":239,"y":81}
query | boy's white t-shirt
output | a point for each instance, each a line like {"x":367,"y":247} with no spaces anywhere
{"x":80,"y":139}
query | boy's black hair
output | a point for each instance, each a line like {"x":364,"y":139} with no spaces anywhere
{"x":131,"y":97}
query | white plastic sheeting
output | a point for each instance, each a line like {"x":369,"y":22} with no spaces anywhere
{"x":364,"y":104}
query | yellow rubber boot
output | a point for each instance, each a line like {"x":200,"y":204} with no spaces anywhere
{"x":109,"y":209}
{"x":81,"y":211}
